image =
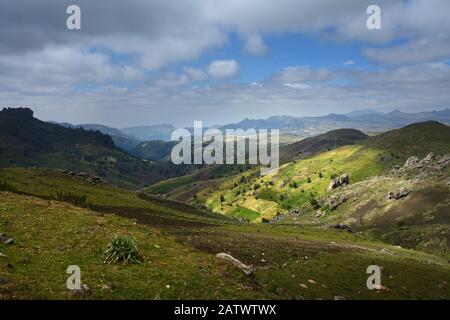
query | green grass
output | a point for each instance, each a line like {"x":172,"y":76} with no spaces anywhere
{"x":179,"y":264}
{"x":297,"y":183}
{"x":241,"y":212}
{"x":103,"y":198}
{"x":169,"y":185}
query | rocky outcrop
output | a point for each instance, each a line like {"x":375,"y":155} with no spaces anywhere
{"x":81,"y":175}
{"x":334,"y":202}
{"x":291,"y":214}
{"x":398,"y":194}
{"x":339,"y":182}
{"x":411,"y":162}
{"x":431,"y":164}
{"x":341,"y":227}
{"x":247,"y":270}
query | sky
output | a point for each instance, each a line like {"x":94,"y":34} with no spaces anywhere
{"x":143,"y":62}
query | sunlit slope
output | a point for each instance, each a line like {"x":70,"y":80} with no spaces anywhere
{"x":180,"y":263}
{"x":299,"y":184}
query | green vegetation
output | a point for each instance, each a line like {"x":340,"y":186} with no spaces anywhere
{"x":122,"y":249}
{"x":73,"y":198}
{"x":58,"y":220}
{"x":179,"y":263}
{"x":28,"y":142}
{"x":292,"y":186}
{"x":5,"y":186}
{"x":168,"y":185}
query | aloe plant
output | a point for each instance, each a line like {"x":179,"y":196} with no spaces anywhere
{"x":122,"y":249}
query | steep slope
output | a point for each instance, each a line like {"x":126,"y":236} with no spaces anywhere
{"x":153,"y":150}
{"x":120,"y":139}
{"x":299,"y":184}
{"x":321,"y":143}
{"x":416,"y":139}
{"x":147,"y":133}
{"x":27,"y":141}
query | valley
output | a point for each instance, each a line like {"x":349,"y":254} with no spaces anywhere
{"x":306,"y":232}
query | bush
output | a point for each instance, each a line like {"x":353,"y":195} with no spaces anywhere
{"x":72,"y":198}
{"x":293,"y":185}
{"x":401,"y":225}
{"x":5,"y":186}
{"x":122,"y":249}
{"x":314,"y":203}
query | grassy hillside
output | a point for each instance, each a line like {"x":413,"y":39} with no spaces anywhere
{"x":324,"y":142}
{"x":178,"y":261}
{"x":299,"y":184}
{"x":47,"y":184}
{"x":416,"y":139}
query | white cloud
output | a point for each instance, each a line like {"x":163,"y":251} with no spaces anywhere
{"x":195,"y":73}
{"x":428,"y":50}
{"x":254,"y":44}
{"x":349,"y":63}
{"x":300,"y":74}
{"x":300,"y":86}
{"x":223,"y":69}
{"x":408,"y":88}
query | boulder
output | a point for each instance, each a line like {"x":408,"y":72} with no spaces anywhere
{"x":429,"y":158}
{"x":341,"y":227}
{"x":398,"y":194}
{"x":5,"y":239}
{"x":411,"y":162}
{"x":247,"y":270}
{"x":334,"y":202}
{"x":339,"y":182}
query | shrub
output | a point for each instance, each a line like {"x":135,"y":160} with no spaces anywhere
{"x":293,"y":185}
{"x":72,"y":198}
{"x":401,"y":225}
{"x":314,"y":203}
{"x":308,"y":180}
{"x":122,"y":249}
{"x":5,"y":186}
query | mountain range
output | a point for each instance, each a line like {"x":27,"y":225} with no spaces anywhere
{"x":365,"y":120}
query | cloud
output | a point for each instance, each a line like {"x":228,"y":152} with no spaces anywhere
{"x":300,"y":86}
{"x":424,"y":50}
{"x":349,"y":63}
{"x":128,"y":81}
{"x":300,"y":74}
{"x":169,"y":100}
{"x":195,"y":73}
{"x":223,"y":69}
{"x":254,"y":44}
{"x":162,"y":32}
